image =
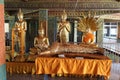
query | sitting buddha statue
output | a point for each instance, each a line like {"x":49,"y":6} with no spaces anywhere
{"x":88,"y":37}
{"x":41,"y":43}
{"x":88,"y":24}
{"x":18,"y":36}
{"x":63,"y":28}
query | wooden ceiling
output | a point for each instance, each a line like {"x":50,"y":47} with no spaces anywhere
{"x":56,"y":6}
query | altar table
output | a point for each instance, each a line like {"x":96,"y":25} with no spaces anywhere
{"x":48,"y":65}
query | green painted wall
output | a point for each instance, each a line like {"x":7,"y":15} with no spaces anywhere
{"x":52,"y":29}
{"x":31,"y":33}
{"x":1,"y":1}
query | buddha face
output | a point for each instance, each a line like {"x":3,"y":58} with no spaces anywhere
{"x":88,"y":30}
{"x":64,"y":17}
{"x":41,"y":33}
{"x":20,"y":17}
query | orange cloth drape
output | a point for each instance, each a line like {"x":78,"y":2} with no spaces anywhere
{"x":87,"y":37}
{"x":72,"y":66}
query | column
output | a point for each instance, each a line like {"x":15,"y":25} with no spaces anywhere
{"x":2,"y":43}
{"x":99,"y":37}
{"x":75,"y":31}
{"x":118,"y":33}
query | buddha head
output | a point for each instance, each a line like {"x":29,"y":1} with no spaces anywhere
{"x":88,"y":30}
{"x":41,"y":31}
{"x":20,"y":15}
{"x":64,"y":16}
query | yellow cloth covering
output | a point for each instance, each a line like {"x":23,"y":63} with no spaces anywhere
{"x":46,"y":65}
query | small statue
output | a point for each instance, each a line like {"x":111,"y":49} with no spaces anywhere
{"x":88,"y":24}
{"x":19,"y":34}
{"x":41,"y":43}
{"x":88,"y":37}
{"x":64,"y":29}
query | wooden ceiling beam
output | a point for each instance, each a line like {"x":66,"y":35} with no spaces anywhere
{"x":56,"y":6}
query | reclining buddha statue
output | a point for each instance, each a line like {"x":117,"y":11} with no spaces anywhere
{"x":83,"y":50}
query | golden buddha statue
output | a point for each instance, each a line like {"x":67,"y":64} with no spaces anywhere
{"x":41,"y":43}
{"x":19,"y":34}
{"x":64,"y":28}
{"x":88,"y":24}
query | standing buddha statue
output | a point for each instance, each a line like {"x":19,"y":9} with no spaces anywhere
{"x":19,"y":34}
{"x":64,"y":28}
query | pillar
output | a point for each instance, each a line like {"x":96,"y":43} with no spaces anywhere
{"x":75,"y":31}
{"x":118,"y":33}
{"x":2,"y":43}
{"x":99,"y":37}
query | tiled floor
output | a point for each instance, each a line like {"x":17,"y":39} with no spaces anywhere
{"x":113,"y":52}
{"x":41,"y":77}
{"x":115,"y":71}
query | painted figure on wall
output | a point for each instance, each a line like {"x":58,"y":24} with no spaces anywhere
{"x":64,"y":28}
{"x":19,"y":34}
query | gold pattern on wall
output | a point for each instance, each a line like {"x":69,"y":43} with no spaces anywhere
{"x":34,"y":14}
